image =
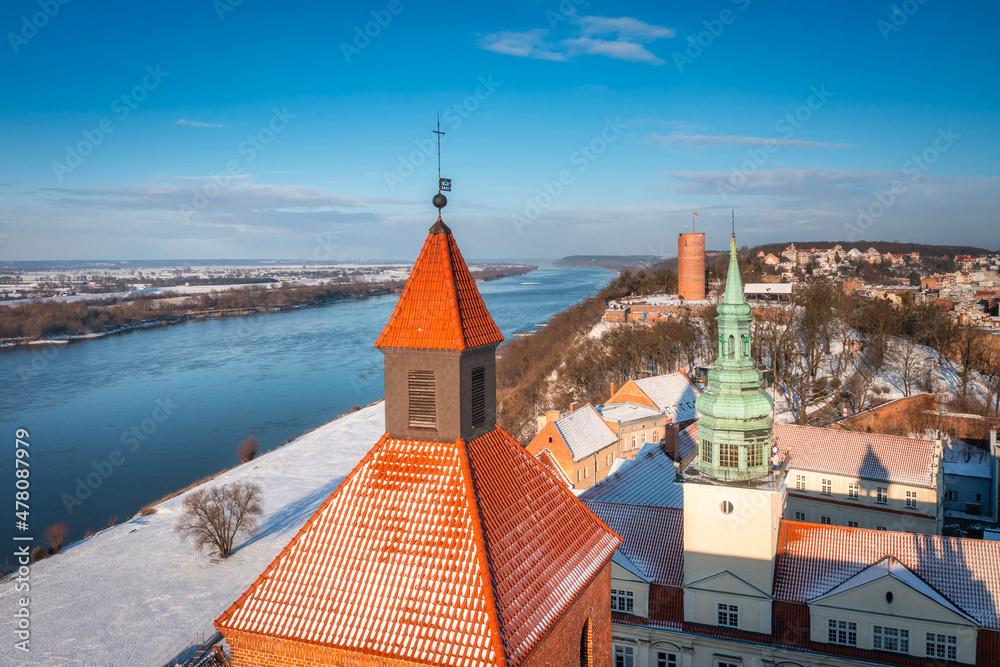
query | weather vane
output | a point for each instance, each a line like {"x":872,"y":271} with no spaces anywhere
{"x":444,"y":184}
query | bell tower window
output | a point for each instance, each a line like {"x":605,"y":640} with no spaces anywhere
{"x":422,"y":399}
{"x":732,"y":346}
{"x":478,"y":396}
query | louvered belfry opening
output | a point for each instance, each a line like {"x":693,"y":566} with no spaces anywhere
{"x":422,"y":402}
{"x":478,"y":396}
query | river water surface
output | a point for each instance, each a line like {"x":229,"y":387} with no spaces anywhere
{"x":119,"y":422}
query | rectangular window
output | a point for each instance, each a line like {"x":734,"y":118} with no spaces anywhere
{"x":827,"y":487}
{"x":852,"y":524}
{"x":942,"y":646}
{"x":800,"y":482}
{"x":893,"y":640}
{"x":622,"y":601}
{"x":882,"y":495}
{"x":706,"y":451}
{"x":607,"y":460}
{"x":729,"y":616}
{"x":881,"y":528}
{"x":633,"y":441}
{"x":664,"y":659}
{"x":624,"y":656}
{"x":729,"y":455}
{"x":911,"y":500}
{"x":800,"y":516}
{"x":579,"y":475}
{"x":844,"y":633}
{"x":853,"y":490}
{"x":644,"y":437}
{"x":478,"y":396}
{"x":951,"y":495}
{"x":825,"y":520}
{"x":755,"y":453}
{"x":423,"y":399}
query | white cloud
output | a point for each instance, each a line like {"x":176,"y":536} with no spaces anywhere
{"x":530,"y":44}
{"x":591,"y":38}
{"x":730,"y":140}
{"x":197,"y":123}
{"x":625,"y":27}
{"x":619,"y":50}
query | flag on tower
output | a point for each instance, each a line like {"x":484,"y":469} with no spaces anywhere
{"x":695,"y":213}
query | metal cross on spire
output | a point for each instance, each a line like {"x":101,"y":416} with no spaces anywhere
{"x":444,"y":184}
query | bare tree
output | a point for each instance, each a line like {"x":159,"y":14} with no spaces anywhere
{"x":972,"y":352}
{"x":56,"y":535}
{"x":909,"y":361}
{"x":248,"y":449}
{"x":215,"y":516}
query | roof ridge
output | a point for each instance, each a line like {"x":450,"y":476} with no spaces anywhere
{"x":452,"y":282}
{"x":499,"y":649}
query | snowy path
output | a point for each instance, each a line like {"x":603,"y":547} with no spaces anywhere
{"x":135,"y":595}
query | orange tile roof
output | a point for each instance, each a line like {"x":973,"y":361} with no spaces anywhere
{"x":440,"y":307}
{"x":443,"y":553}
{"x":813,"y":559}
{"x":873,"y":456}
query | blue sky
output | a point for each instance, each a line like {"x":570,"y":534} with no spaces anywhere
{"x":572,"y":127}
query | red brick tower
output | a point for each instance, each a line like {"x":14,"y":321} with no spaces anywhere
{"x":447,"y":544}
{"x":691,"y":265}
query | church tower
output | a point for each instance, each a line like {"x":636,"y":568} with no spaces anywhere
{"x":448,"y":544}
{"x":733,"y":499}
{"x":734,"y":429}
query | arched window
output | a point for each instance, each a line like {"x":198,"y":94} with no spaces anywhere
{"x":746,"y":346}
{"x":732,"y":346}
{"x":585,"y":645}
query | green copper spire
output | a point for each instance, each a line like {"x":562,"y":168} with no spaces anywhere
{"x":734,"y":428}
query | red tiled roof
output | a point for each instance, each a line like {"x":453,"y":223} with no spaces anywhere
{"x":443,"y":553}
{"x":652,"y":538}
{"x":549,"y":462}
{"x":440,"y":307}
{"x":813,"y":559}
{"x":881,"y":458}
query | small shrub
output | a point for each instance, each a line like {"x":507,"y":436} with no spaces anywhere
{"x":38,"y":553}
{"x":147,"y":510}
{"x":56,"y":536}
{"x":111,"y":521}
{"x":248,"y":449}
{"x":89,"y":533}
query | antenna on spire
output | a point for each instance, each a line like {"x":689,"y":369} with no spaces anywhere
{"x":444,"y":184}
{"x":734,"y":223}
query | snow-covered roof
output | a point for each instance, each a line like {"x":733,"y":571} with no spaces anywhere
{"x":652,"y":539}
{"x":814,"y":558}
{"x":871,"y":456}
{"x":672,"y":393}
{"x":979,"y":463}
{"x":890,"y":567}
{"x":585,"y":433}
{"x":626,"y":412}
{"x":649,"y":480}
{"x":439,"y":552}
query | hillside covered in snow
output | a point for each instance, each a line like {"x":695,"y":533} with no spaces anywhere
{"x":135,"y":594}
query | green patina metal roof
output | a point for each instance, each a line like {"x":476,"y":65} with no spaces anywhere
{"x":735,"y":410}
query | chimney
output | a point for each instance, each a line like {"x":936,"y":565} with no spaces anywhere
{"x":573,"y":406}
{"x":552,"y":416}
{"x":671,"y":440}
{"x":612,"y":394}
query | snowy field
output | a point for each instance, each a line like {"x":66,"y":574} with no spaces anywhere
{"x":135,"y":595}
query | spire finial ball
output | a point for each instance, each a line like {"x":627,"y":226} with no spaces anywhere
{"x":439,"y":201}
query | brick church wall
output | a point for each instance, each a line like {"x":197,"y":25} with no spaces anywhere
{"x":560,"y":646}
